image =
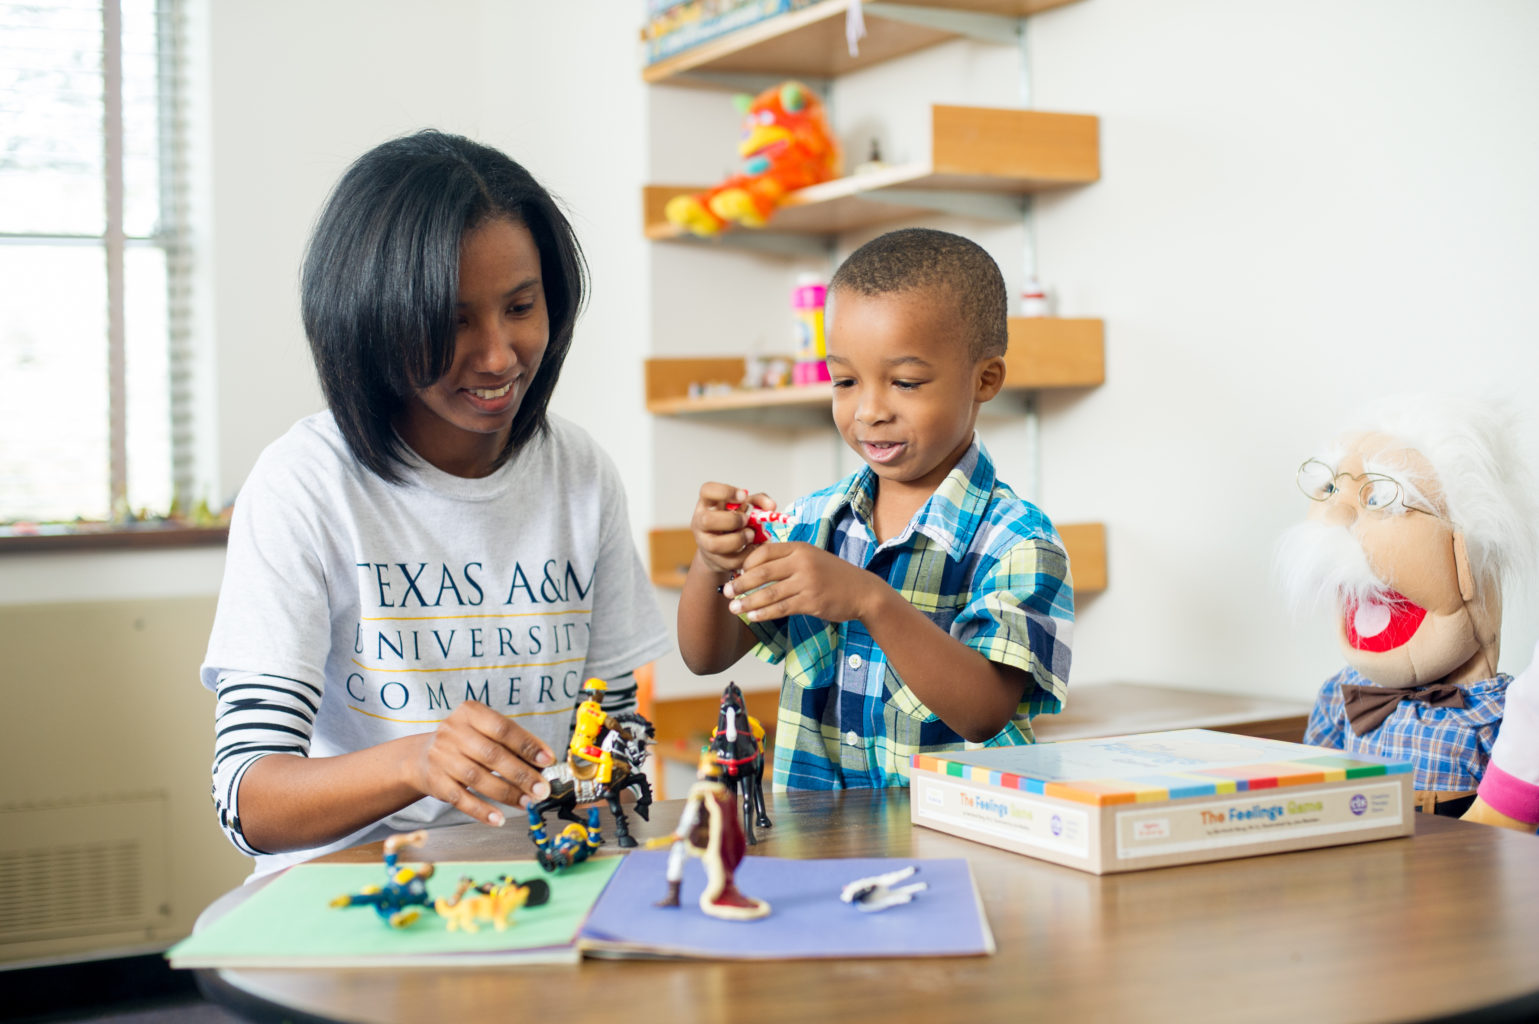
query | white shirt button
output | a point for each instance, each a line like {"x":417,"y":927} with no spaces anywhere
{"x":852,"y":739}
{"x":855,"y":661}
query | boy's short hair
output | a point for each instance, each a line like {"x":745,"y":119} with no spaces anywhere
{"x":381,"y":279}
{"x":914,"y":258}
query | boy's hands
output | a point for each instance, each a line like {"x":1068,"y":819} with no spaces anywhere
{"x":772,"y":580}
{"x":477,"y":749}
{"x":724,"y":536}
{"x":798,"y":579}
{"x":712,"y":639}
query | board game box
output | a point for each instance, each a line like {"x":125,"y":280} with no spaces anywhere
{"x":1124,"y":803}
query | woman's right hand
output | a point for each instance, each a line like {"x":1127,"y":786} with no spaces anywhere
{"x":722,"y":535}
{"x":476,"y":753}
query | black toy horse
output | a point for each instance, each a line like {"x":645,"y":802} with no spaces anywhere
{"x":569,"y":787}
{"x":737,"y":745}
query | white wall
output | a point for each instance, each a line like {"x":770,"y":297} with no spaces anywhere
{"x":1303,"y":205}
{"x":301,"y":89}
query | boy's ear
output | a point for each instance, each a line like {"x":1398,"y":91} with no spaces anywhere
{"x":991,"y":377}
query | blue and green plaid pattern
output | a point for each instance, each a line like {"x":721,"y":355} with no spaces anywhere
{"x":983,"y":564}
{"x":1448,"y":746}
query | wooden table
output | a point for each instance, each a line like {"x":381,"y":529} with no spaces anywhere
{"x":1416,"y":928}
{"x":1112,"y":709}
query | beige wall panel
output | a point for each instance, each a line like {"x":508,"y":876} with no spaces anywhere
{"x":104,"y":796}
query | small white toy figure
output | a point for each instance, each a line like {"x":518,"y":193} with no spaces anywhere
{"x":878,"y":893}
{"x":709,"y":829}
{"x":1418,"y":519}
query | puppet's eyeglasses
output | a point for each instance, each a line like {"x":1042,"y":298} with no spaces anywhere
{"x":1376,"y":492}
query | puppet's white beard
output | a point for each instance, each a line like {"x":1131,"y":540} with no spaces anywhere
{"x":1323,"y":566}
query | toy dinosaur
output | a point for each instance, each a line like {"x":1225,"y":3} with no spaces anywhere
{"x":470,"y":905}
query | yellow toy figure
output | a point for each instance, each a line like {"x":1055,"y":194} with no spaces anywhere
{"x":470,"y":905}
{"x":787,"y":144}
{"x":591,"y":721}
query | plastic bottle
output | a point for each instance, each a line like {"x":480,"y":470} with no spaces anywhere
{"x":807,"y":300}
{"x":1034,"y":299}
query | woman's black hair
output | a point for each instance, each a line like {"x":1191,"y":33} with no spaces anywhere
{"x":381,"y":278}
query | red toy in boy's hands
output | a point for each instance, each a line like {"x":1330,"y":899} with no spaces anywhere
{"x":757,"y":517}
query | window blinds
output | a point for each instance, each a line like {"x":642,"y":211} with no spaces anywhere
{"x":95,"y":301}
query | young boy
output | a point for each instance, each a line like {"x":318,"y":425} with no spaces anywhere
{"x":918,"y":604}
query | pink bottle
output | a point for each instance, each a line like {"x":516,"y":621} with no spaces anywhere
{"x":807,"y":301}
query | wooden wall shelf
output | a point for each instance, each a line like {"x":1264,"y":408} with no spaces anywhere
{"x":1055,"y":352}
{"x":1045,"y":352}
{"x":669,"y":552}
{"x":810,"y":43}
{"x":1086,"y":547}
{"x":976,"y":153}
{"x":668,"y":380}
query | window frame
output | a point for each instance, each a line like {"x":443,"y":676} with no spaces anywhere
{"x":171,"y":235}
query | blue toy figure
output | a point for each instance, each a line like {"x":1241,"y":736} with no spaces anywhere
{"x":572,"y":846}
{"x":405,"y":888}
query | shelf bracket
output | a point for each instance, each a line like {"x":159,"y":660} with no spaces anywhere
{"x":988,"y":28}
{"x":983,"y":205}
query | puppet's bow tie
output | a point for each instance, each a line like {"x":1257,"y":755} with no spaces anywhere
{"x":1368,"y":706}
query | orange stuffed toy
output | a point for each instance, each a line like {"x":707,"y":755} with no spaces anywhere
{"x":786,"y":145}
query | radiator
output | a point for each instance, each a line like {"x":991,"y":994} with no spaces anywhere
{"x":93,"y":870}
{"x":108,"y":840}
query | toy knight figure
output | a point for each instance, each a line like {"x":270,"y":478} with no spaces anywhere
{"x":709,"y":829}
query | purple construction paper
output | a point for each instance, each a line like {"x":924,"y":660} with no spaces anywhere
{"x":807,"y":919}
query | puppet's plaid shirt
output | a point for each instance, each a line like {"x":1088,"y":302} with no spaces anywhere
{"x":1448,"y":746}
{"x":983,"y":564}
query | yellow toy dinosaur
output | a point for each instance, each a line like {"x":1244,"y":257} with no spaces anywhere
{"x":468,"y":908}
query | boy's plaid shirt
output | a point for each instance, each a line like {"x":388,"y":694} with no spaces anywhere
{"x":983,"y":564}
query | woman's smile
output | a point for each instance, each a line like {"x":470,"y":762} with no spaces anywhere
{"x":491,"y":394}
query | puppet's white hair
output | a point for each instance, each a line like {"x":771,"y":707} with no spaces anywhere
{"x":1487,"y":489}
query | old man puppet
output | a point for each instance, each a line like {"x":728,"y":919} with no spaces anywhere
{"x":1416,"y":520}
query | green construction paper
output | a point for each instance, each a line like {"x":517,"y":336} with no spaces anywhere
{"x":289,"y":922}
